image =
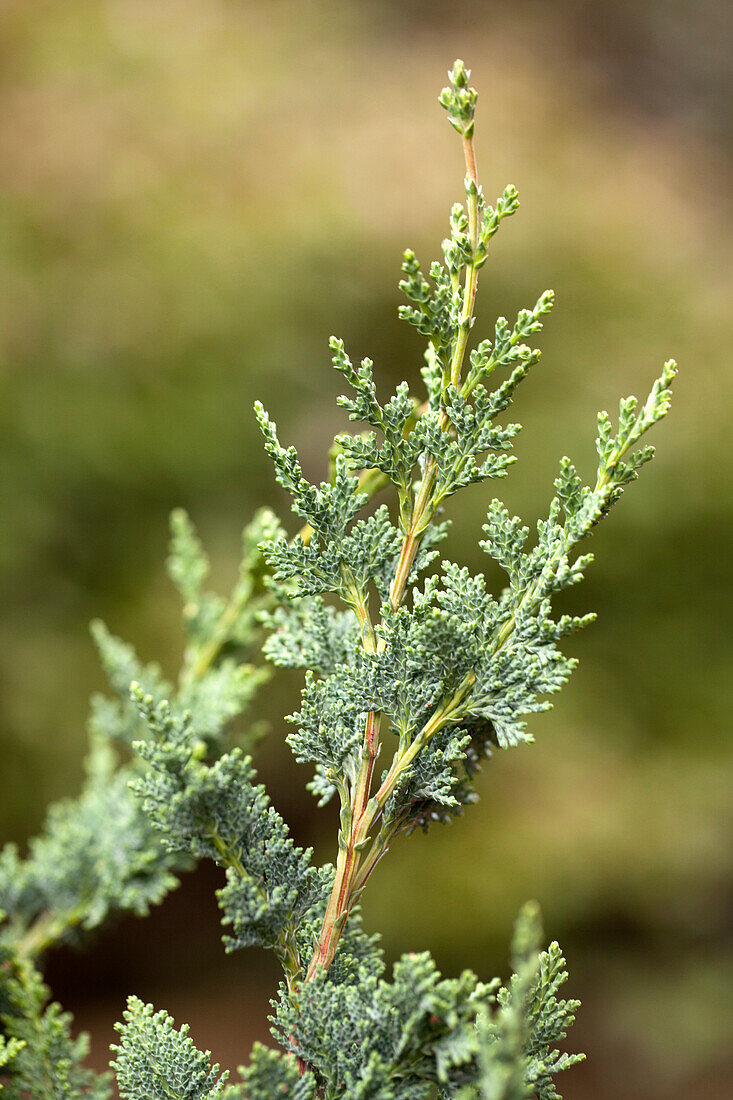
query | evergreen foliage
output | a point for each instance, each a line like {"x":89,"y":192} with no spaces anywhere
{"x":516,"y":1034}
{"x":155,"y":1061}
{"x":414,"y":671}
{"x":38,"y":1055}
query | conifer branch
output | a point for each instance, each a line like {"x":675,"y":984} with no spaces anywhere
{"x":427,"y":662}
{"x":460,"y":102}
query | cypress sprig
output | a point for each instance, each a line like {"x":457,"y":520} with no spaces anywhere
{"x":414,"y":672}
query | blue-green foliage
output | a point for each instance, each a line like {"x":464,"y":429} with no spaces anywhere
{"x":508,"y":353}
{"x":435,"y":310}
{"x":414,"y":671}
{"x":100,"y":854}
{"x":458,"y":100}
{"x":271,"y":1074}
{"x":517,"y":1036}
{"x":392,"y":457}
{"x":216,"y":811}
{"x":310,"y":634}
{"x":39,"y":1058}
{"x":454,"y":626}
{"x":363,"y":1037}
{"x":371,"y":1038}
{"x":96,"y":855}
{"x":154,"y":1061}
{"x":367,"y":1037}
{"x":212,"y":624}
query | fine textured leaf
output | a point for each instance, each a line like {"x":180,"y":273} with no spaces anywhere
{"x":156,"y":1061}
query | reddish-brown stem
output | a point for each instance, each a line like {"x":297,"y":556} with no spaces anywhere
{"x":349,"y":855}
{"x":363,"y":808}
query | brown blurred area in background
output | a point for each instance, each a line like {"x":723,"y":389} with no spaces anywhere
{"x":195,"y":194}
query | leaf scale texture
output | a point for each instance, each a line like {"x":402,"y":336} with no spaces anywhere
{"x":414,"y":672}
{"x":154,"y":1061}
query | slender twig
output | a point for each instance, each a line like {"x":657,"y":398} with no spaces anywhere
{"x":360,"y":812}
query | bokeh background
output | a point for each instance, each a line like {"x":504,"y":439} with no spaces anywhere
{"x":195,"y":194}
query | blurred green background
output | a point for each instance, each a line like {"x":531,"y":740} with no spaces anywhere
{"x":195,"y":194}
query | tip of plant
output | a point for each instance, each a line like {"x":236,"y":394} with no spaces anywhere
{"x":99,"y":632}
{"x":459,"y":99}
